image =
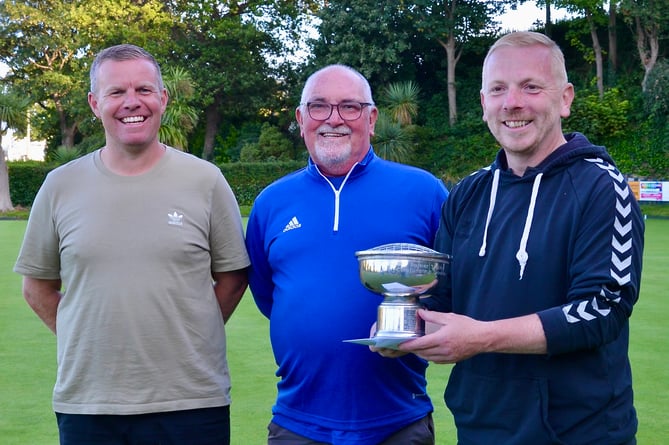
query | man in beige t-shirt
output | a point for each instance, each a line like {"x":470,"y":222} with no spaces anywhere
{"x":134,"y":257}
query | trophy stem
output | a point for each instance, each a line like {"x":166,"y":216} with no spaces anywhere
{"x":398,"y":319}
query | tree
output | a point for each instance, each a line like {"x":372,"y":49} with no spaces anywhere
{"x":613,"y":39}
{"x":453,"y":24}
{"x":656,"y":93}
{"x":13,"y":110}
{"x":650,"y":20}
{"x":593,"y":11}
{"x":227,"y":47}
{"x":49,"y":45}
{"x":372,"y":36}
{"x":272,"y":145}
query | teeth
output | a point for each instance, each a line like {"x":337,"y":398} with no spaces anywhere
{"x":329,"y":135}
{"x":516,"y":124}
{"x":132,"y":119}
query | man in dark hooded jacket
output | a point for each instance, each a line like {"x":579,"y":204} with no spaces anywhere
{"x":546,"y":248}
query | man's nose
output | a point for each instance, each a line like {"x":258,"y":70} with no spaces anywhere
{"x":335,"y":117}
{"x":131,"y":99}
{"x":513,"y":98}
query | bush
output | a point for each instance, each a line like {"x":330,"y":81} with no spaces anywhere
{"x":25,"y":179}
{"x":272,"y":145}
{"x":247,"y":179}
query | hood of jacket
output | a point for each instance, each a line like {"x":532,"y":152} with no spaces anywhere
{"x":577,"y":148}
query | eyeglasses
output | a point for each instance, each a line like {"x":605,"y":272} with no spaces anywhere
{"x":348,"y":111}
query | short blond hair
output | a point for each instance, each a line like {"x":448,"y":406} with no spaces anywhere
{"x":121,"y":53}
{"x":522,"y":39}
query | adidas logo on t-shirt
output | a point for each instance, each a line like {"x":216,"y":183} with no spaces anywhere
{"x":292,"y":224}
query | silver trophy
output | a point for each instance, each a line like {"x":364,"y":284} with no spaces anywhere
{"x":401,"y":272}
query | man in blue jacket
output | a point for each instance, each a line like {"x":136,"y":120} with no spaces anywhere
{"x":547,"y":248}
{"x":302,"y":235}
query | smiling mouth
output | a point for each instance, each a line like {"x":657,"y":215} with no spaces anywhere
{"x":333,"y":135}
{"x":133,"y":119}
{"x":516,"y":124}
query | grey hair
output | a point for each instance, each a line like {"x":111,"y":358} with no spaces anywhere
{"x":522,"y":39}
{"x":366,"y":88}
{"x":121,"y":53}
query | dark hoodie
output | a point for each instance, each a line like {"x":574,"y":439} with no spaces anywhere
{"x":564,"y":241}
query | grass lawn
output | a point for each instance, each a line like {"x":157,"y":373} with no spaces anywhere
{"x":27,"y":358}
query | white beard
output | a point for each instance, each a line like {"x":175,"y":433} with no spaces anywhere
{"x":332,"y":154}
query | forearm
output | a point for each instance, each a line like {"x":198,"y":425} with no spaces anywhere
{"x":229,"y":288}
{"x":452,"y":338}
{"x":520,"y":335}
{"x":43,"y":297}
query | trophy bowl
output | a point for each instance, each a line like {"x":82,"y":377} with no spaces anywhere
{"x":401,"y":273}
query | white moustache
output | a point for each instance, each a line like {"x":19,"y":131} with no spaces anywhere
{"x":339,"y":130}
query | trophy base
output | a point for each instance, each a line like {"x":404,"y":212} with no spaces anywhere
{"x":381,"y":342}
{"x":396,"y":323}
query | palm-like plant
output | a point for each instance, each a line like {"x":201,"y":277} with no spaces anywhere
{"x":63,"y":154}
{"x":393,"y":132}
{"x":391,"y":141}
{"x":402,"y":101}
{"x":180,"y":117}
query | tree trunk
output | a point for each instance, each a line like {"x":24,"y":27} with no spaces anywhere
{"x":68,"y":133}
{"x":548,"y":27}
{"x":599,"y":59}
{"x":648,"y":46}
{"x":613,"y":44}
{"x":5,"y":198}
{"x":213,"y":120}
{"x":451,"y":61}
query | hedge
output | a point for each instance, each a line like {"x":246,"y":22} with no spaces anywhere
{"x":245,"y":179}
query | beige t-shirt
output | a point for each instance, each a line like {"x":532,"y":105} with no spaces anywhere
{"x":139,"y":327}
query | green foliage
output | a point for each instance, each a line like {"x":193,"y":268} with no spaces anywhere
{"x":271,"y":146}
{"x":391,"y":140}
{"x":393,"y":133}
{"x":462,"y":20}
{"x":600,"y":120}
{"x":13,"y":111}
{"x":232,"y":138}
{"x":372,"y":36}
{"x":454,"y":152}
{"x":92,"y":142}
{"x":64,"y":154}
{"x":180,"y":116}
{"x":49,"y":46}
{"x":237,"y":54}
{"x":655,"y":209}
{"x":643,"y":152}
{"x":248,"y":179}
{"x":245,"y":179}
{"x":401,"y":101}
{"x":25,"y":179}
{"x":229,"y":47}
{"x":656,"y":96}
